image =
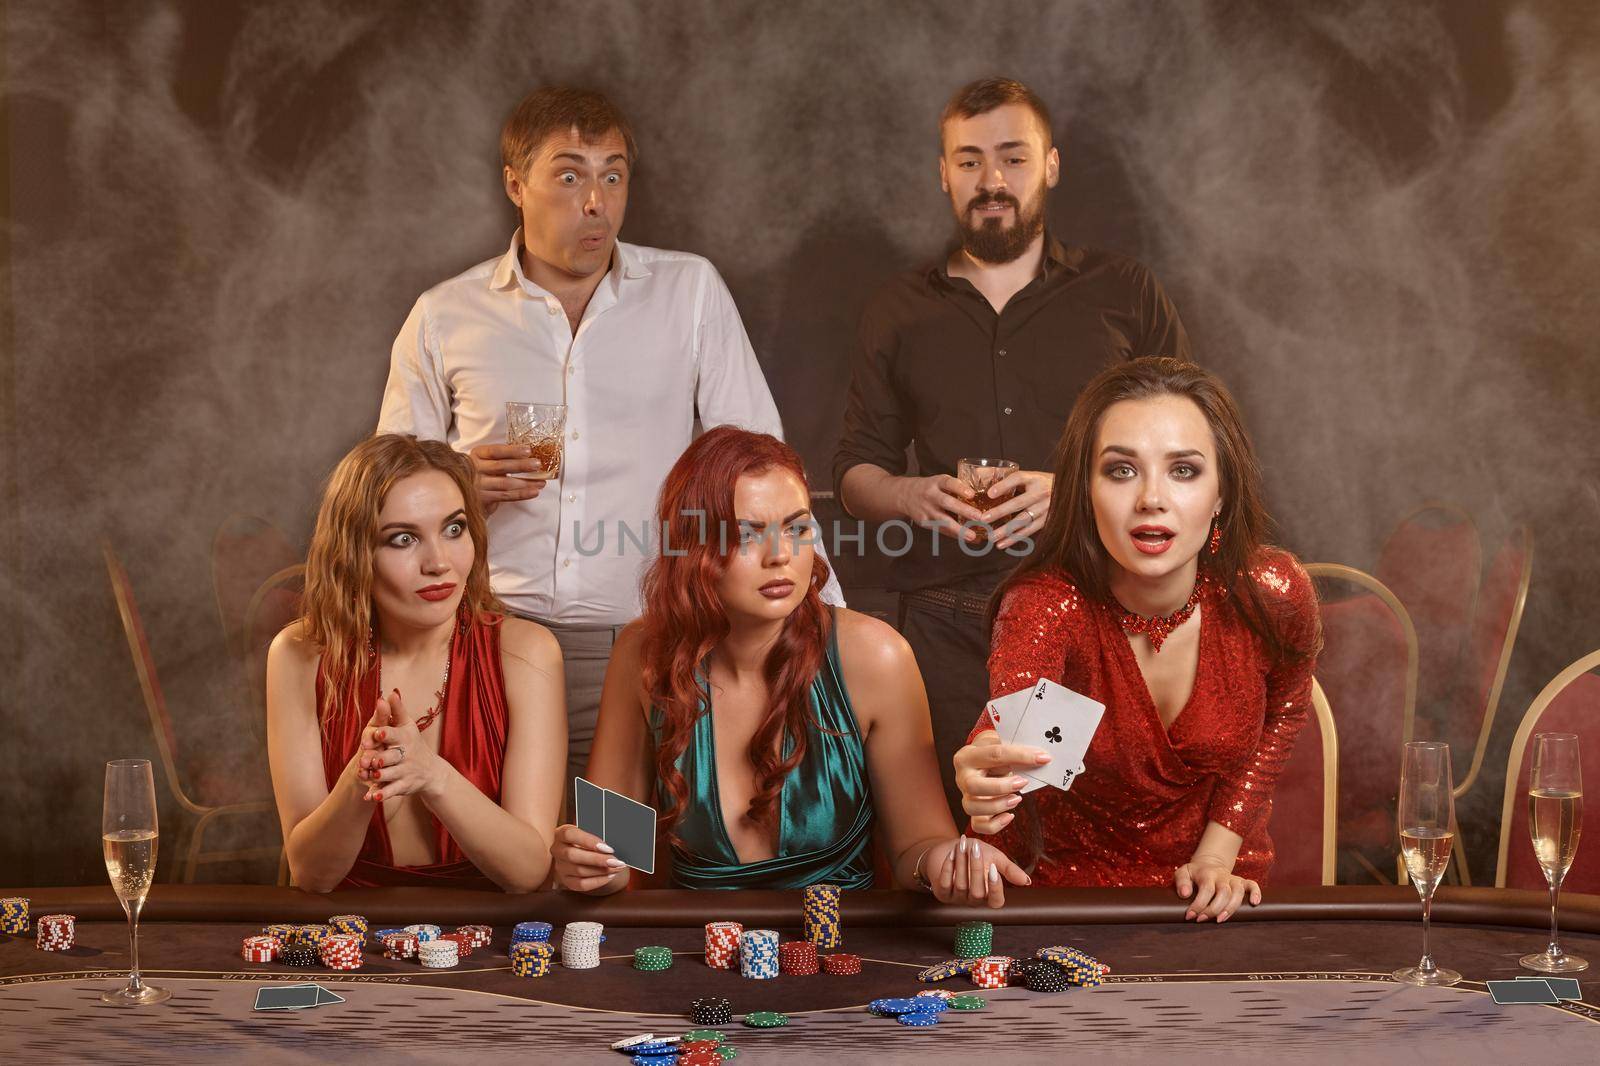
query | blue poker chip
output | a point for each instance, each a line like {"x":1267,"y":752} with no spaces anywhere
{"x":654,"y":1060}
{"x":653,"y":1047}
{"x":918,"y":1018}
{"x":893,"y":1006}
{"x":927,"y":1005}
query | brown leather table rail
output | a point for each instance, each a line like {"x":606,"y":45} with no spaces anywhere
{"x":1303,"y":978}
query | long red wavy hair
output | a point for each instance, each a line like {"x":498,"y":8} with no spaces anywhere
{"x":684,"y":618}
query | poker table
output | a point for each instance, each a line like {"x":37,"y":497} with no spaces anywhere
{"x":1302,"y":978}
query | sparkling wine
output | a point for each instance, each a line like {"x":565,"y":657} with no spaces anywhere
{"x":1427,"y":855}
{"x":1555,"y":820}
{"x":131,"y":862}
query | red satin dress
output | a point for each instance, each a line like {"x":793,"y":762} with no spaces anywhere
{"x":472,"y":738}
{"x":1147,"y":792}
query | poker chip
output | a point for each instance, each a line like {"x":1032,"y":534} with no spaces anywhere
{"x":669,"y":1059}
{"x":14,"y":915}
{"x":703,"y":1036}
{"x":462,"y":941}
{"x":532,"y":958}
{"x":820,"y":923}
{"x":841,"y":964}
{"x":284,"y":931}
{"x":350,"y":924}
{"x":399,"y":944}
{"x":798,"y":957}
{"x":686,"y":1046}
{"x":524,"y":932}
{"x":887,"y":1007}
{"x":991,"y":971}
{"x":711,"y":1011}
{"x":379,"y":934}
{"x":937,"y":993}
{"x":974,"y":940}
{"x":438,"y":954}
{"x":929,"y":1005}
{"x":967,"y":1002}
{"x":722,"y":945}
{"x":424,"y":933}
{"x":728,"y":1051}
{"x":652,"y":958}
{"x":1046,"y":976}
{"x":700,"y":1058}
{"x":580,"y":945}
{"x":479,"y":935}
{"x":655,"y":1046}
{"x":55,"y":932}
{"x":261,"y":948}
{"x":765,"y":1019}
{"x":941,"y":971}
{"x":758,"y":954}
{"x":299,"y":955}
{"x":341,"y":951}
{"x":918,"y":1018}
{"x":628,"y":1042}
{"x":1081,"y":968}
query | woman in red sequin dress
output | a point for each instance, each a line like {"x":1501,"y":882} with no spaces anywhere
{"x":1150,"y":590}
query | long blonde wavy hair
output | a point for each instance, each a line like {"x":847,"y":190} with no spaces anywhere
{"x":337,"y":608}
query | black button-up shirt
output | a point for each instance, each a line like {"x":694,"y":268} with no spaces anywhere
{"x":938,"y":367}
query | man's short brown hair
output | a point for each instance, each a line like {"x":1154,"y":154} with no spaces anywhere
{"x":555,"y":110}
{"x":984,"y":95}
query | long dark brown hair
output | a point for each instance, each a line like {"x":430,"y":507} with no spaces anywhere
{"x":1070,"y":539}
{"x":684,"y":618}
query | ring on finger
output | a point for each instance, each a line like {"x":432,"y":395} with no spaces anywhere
{"x":402,"y":750}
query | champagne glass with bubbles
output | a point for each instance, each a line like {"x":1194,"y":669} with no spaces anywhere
{"x":1555,"y":820}
{"x":1427,"y":831}
{"x":128,"y":833}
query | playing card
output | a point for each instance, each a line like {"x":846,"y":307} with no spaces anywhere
{"x":1536,"y":990}
{"x":287,"y":997}
{"x":588,"y":807}
{"x":631,"y":831}
{"x":324,"y":997}
{"x":1061,"y":722}
{"x":1565,"y":987}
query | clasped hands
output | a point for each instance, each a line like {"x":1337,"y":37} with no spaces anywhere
{"x":944,"y":503}
{"x":393,"y":760}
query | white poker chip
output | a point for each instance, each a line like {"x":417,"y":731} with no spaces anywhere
{"x":642,"y":1038}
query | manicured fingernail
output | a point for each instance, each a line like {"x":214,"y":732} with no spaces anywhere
{"x":961,"y":845}
{"x":994,"y":872}
{"x":1013,"y":801}
{"x":615,"y":864}
{"x":377,"y":797}
{"x":607,"y":848}
{"x":378,"y":736}
{"x":1017,"y":782}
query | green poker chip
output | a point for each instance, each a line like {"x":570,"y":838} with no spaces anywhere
{"x":703,"y":1034}
{"x":652,"y":958}
{"x":765,"y":1019}
{"x":727,"y":1051}
{"x":968,"y":1003}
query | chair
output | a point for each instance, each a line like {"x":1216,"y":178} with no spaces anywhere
{"x":166,"y":741}
{"x":1432,"y":562}
{"x":246,"y":552}
{"x":1494,"y":632}
{"x":1569,"y":704}
{"x":1305,"y":809}
{"x":1368,"y":667}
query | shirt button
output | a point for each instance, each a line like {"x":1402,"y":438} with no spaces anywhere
{"x":574,"y":434}
{"x":572,"y":497}
{"x":554,"y":310}
{"x":572,"y":370}
{"x":566,"y":563}
{"x":1008,"y":410}
{"x":1002,"y":351}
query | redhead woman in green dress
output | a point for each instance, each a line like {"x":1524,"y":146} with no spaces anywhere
{"x":775,"y":736}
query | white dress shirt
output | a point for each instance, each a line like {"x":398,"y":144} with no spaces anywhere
{"x":660,"y":339}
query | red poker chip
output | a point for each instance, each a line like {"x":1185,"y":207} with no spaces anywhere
{"x":841,"y":964}
{"x":463,"y":942}
{"x":700,"y":1058}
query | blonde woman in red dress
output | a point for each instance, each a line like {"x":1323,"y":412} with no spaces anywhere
{"x":1150,"y":589}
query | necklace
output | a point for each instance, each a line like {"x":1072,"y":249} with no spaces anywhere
{"x":1157,"y":629}
{"x":438,"y":697}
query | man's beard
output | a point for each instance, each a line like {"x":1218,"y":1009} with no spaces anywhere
{"x":991,"y":242}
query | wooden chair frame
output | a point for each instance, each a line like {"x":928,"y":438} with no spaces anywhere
{"x":1330,"y":783}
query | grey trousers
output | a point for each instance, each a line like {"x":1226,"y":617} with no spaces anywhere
{"x":585,"y":652}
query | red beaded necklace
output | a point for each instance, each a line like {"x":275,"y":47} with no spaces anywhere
{"x":438,"y":697}
{"x":1157,"y":629}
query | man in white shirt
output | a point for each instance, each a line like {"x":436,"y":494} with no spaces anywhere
{"x":635,"y":341}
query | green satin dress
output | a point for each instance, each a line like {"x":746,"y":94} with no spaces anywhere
{"x":825,"y":806}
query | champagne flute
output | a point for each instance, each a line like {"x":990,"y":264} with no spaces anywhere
{"x":1427,"y":831}
{"x":1555,"y":821}
{"x":128,"y":832}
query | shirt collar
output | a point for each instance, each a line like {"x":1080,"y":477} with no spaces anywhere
{"x":625,"y":262}
{"x":1057,"y":256}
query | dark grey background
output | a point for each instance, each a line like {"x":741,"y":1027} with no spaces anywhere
{"x":1378,"y":221}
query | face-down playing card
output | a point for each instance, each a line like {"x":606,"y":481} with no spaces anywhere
{"x":627,"y":826}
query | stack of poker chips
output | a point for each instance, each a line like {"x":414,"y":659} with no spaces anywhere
{"x":313,"y":935}
{"x":820,"y":919}
{"x":526,"y":932}
{"x":423,"y":933}
{"x":437,"y":954}
{"x":301,"y":955}
{"x":940,"y":971}
{"x":991,"y":971}
{"x":711,"y":1011}
{"x":652,"y":958}
{"x":14,"y":915}
{"x":479,"y":935}
{"x":974,"y":940}
{"x":967,"y":1002}
{"x":765,"y":1019}
{"x":722,"y":944}
{"x":1039,"y":975}
{"x":532,"y":958}
{"x":399,"y":944}
{"x":704,"y":1047}
{"x":1081,"y":968}
{"x":284,"y":931}
{"x":263,"y":948}
{"x":55,"y":932}
{"x":798,"y":957}
{"x":341,"y":951}
{"x":350,"y":925}
{"x":758,"y":954}
{"x":462,"y":941}
{"x":842,"y":964}
{"x":580,"y":945}
{"x":918,"y":1011}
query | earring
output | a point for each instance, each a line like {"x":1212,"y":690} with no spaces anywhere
{"x":1216,"y":535}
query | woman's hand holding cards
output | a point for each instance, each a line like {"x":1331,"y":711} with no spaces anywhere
{"x":583,"y":862}
{"x":965,"y":870}
{"x":990,"y":788}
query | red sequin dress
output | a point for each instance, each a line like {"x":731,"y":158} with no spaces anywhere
{"x":1147,"y":793}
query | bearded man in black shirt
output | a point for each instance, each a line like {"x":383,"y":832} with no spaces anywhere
{"x":981,"y":356}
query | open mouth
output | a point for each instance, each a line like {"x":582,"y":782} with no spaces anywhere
{"x":1153,"y":540}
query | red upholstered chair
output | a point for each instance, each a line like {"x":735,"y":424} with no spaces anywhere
{"x":166,"y":739}
{"x":1432,"y":561}
{"x":1305,"y":819}
{"x":1483,"y":670}
{"x":1368,"y":668}
{"x":1569,"y":704}
{"x":247,"y":553}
